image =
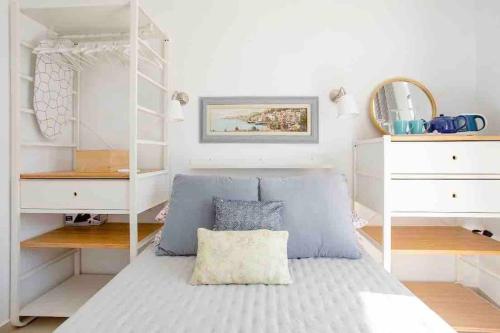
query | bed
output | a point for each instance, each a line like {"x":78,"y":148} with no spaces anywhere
{"x":153,"y":294}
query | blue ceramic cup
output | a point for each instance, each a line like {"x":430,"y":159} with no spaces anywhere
{"x":400,"y":126}
{"x":471,"y":123}
{"x":417,"y":126}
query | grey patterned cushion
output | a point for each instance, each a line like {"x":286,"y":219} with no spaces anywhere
{"x":247,"y":215}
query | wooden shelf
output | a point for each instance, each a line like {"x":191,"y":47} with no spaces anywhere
{"x":64,"y":299}
{"x":435,"y":240}
{"x":459,"y":306}
{"x":443,"y":137}
{"x":106,"y":236}
{"x":80,"y":175}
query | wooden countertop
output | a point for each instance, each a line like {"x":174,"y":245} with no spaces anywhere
{"x":442,"y":137}
{"x":79,"y":175}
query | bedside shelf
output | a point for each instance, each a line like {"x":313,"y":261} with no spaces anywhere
{"x":435,"y":240}
{"x":106,"y":236}
{"x":459,"y":306}
{"x":260,"y":163}
{"x":67,"y":297}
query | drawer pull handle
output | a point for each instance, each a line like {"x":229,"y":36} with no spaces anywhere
{"x":454,"y":157}
{"x":454,"y":195}
{"x":75,"y":194}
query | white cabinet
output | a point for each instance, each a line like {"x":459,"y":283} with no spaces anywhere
{"x":428,"y":176}
{"x":45,"y":175}
{"x":438,"y":176}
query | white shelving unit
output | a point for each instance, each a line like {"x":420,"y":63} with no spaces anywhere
{"x":426,"y":176}
{"x":138,"y":192}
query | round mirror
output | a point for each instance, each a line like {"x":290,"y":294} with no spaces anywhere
{"x":400,"y":99}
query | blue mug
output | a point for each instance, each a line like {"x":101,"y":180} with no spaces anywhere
{"x":400,"y":126}
{"x":471,"y":123}
{"x":418,"y":126}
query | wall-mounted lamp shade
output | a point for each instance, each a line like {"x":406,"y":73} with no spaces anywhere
{"x":175,"y":111}
{"x":346,"y":105}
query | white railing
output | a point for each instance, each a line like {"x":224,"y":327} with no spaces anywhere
{"x":149,"y":111}
{"x":152,"y":81}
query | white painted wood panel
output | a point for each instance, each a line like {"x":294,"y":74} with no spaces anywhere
{"x":259,"y":163}
{"x":457,"y":196}
{"x":152,"y":191}
{"x":445,"y":157}
{"x":369,"y":192}
{"x":74,"y":194}
{"x":66,"y":298}
{"x":370,"y":159}
{"x":36,"y":278}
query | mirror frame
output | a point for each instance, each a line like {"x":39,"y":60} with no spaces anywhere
{"x":398,"y":79}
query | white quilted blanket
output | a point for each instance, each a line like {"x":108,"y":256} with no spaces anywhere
{"x":328,"y":295}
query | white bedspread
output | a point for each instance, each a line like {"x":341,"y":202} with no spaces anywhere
{"x":328,"y":295}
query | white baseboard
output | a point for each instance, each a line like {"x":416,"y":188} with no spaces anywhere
{"x":490,"y":287}
{"x":5,"y":326}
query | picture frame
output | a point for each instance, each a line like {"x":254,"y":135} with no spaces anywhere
{"x":259,"y":119}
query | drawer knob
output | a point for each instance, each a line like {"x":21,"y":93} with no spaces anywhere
{"x":454,"y":195}
{"x":75,"y":194}
{"x":454,"y":157}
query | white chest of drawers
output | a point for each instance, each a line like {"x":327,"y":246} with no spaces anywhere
{"x":427,"y":176}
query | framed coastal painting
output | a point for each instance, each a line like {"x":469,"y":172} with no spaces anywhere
{"x":259,"y":119}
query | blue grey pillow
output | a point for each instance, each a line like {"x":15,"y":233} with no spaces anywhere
{"x":318,"y":214}
{"x":247,"y":215}
{"x":191,"y":208}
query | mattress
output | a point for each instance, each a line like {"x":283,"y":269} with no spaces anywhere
{"x":153,"y":294}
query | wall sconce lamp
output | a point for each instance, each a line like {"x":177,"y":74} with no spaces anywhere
{"x":175,"y":104}
{"x":347,"y":107}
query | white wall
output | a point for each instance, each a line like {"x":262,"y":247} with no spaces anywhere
{"x":488,"y":103}
{"x":282,"y":47}
{"x":488,"y":63}
{"x":4,"y":163}
{"x":231,"y":48}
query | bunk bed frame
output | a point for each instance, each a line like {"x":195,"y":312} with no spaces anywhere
{"x":140,"y":191}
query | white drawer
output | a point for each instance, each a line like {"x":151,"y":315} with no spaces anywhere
{"x":442,"y":196}
{"x":445,"y":157}
{"x":74,"y":194}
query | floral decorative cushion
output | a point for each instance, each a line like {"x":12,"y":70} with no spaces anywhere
{"x":162,"y":215}
{"x":160,"y":218}
{"x":241,"y":257}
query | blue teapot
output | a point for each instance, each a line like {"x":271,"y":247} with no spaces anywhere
{"x":446,"y":124}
